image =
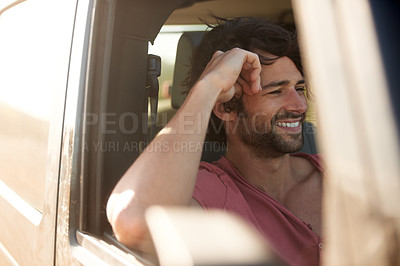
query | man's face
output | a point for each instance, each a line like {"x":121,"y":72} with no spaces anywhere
{"x":272,"y":120}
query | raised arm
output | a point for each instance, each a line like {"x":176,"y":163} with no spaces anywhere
{"x":165,"y":173}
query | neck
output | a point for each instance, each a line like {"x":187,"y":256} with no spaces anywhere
{"x":272,"y":175}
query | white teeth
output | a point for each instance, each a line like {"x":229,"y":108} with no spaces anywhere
{"x":296,"y":124}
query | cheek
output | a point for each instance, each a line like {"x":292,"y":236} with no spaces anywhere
{"x":248,"y":102}
{"x":262,"y":120}
{"x":304,"y":99}
{"x":259,"y":114}
{"x":259,"y":123}
{"x":258,"y":105}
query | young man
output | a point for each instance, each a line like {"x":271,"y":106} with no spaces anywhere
{"x":253,"y":85}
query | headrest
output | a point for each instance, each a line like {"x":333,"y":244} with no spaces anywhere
{"x":186,"y":45}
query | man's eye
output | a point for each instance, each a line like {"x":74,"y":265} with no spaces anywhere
{"x":275,"y":92}
{"x":301,"y":89}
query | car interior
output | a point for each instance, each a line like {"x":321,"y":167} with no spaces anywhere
{"x":124,"y":90}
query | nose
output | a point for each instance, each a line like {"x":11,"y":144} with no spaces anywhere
{"x":296,"y":101}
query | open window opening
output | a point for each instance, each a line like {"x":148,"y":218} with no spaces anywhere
{"x":118,"y":121}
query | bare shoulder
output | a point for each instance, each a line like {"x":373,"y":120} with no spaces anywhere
{"x":305,"y":170}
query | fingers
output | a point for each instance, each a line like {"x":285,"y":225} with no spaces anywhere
{"x":233,"y":72}
{"x":228,"y":95}
{"x":256,"y":85}
{"x":238,"y":90}
{"x":249,"y":78}
{"x":253,"y":66}
{"x":217,"y":54}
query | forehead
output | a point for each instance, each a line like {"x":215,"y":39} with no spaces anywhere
{"x":281,"y":69}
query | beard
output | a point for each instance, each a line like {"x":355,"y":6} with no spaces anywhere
{"x":262,"y":138}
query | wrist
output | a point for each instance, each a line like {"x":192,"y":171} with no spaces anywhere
{"x":205,"y":94}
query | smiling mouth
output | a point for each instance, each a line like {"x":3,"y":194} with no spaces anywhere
{"x":287,"y":124}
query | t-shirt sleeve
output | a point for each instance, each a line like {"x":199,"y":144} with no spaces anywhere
{"x":209,"y":191}
{"x":315,"y":159}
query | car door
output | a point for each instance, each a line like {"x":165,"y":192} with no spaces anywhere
{"x":35,"y":43}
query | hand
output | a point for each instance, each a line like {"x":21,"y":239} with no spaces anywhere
{"x":234,"y":72}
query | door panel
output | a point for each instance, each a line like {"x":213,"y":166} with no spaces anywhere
{"x":35,"y":47}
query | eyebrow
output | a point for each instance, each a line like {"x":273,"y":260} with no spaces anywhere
{"x":280,"y":83}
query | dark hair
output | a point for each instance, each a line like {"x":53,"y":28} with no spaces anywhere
{"x":250,"y":34}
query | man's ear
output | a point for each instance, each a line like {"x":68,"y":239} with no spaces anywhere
{"x":222,"y":114}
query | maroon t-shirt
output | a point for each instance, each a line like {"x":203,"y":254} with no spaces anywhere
{"x":219,"y":185}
